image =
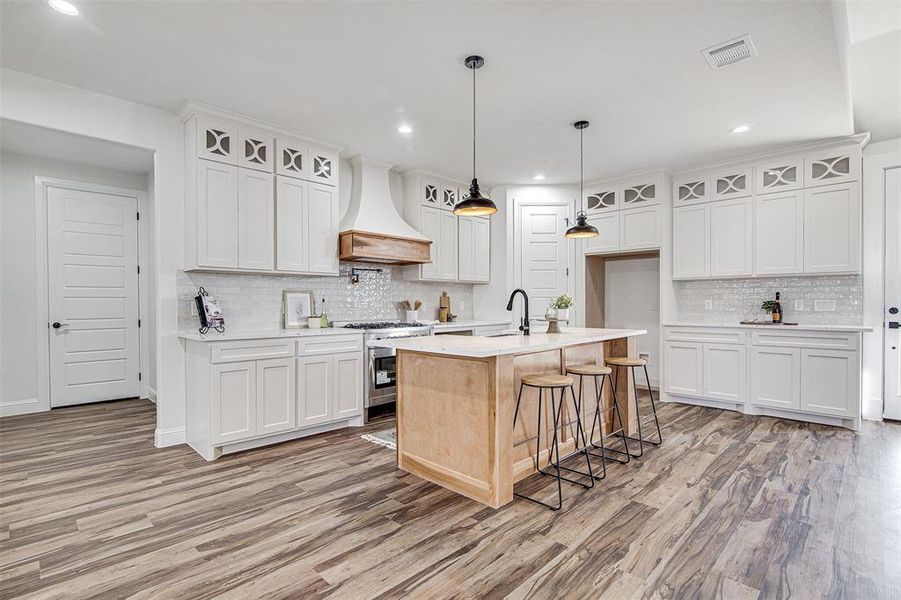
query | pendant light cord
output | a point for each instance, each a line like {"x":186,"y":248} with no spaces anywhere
{"x":581,"y":170}
{"x":473,"y":123}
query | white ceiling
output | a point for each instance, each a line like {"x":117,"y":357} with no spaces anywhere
{"x":350,"y":73}
{"x":58,"y":145}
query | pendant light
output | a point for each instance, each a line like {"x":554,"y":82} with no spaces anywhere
{"x":581,"y":229}
{"x":476,"y":205}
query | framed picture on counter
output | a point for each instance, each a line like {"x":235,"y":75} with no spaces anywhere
{"x":297,"y":306}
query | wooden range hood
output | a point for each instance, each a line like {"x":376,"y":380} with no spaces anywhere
{"x":365,"y":246}
{"x":372,"y":230}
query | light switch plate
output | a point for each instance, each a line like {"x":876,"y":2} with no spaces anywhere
{"x":824,"y":305}
{"x":708,"y":304}
{"x":799,"y":305}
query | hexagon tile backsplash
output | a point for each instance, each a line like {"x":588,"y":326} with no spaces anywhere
{"x":251,"y":301}
{"x":739,"y":299}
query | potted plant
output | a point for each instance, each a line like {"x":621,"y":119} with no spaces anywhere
{"x":561,"y":305}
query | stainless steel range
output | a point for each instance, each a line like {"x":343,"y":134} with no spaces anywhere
{"x":381,"y":365}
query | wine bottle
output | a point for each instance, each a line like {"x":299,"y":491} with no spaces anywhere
{"x":776,"y":313}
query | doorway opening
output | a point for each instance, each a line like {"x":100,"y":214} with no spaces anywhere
{"x":76,"y":258}
{"x":623,"y":292}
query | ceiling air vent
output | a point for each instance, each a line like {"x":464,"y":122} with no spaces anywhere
{"x":731,"y":52}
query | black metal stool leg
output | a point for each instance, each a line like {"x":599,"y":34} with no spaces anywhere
{"x":538,"y":453}
{"x":653,"y":409}
{"x":616,"y":433}
{"x":578,"y":450}
{"x":622,"y":433}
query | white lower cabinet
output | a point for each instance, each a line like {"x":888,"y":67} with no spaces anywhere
{"x":776,"y":377}
{"x":249,"y":390}
{"x":829,"y":381}
{"x":314,"y":391}
{"x":724,"y":372}
{"x":275,"y":396}
{"x":234,"y":391}
{"x":804,"y":374}
{"x":684,"y":374}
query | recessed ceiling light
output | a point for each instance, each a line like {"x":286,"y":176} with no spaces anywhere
{"x":67,"y":8}
{"x":405,"y":129}
{"x":538,"y":177}
{"x":741,"y":129}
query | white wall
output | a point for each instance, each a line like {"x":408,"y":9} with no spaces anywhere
{"x":18,"y":337}
{"x":631,"y":301}
{"x":47,"y":103}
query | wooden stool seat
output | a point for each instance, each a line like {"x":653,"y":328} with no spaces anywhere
{"x":589,"y":370}
{"x":626,"y":361}
{"x":549,"y":380}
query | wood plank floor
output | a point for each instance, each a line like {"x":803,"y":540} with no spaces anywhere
{"x":730,"y":506}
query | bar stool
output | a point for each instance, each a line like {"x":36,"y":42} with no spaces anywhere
{"x":633,"y":363}
{"x":602,"y":372}
{"x":550,"y":382}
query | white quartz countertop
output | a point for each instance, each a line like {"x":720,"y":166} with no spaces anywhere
{"x":483,"y":346}
{"x":468,"y":324}
{"x":262,"y":334}
{"x":799,"y":327}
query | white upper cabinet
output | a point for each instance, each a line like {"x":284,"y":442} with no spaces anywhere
{"x":691,"y":189}
{"x":832,"y":229}
{"x":482,"y":249}
{"x":779,"y":175}
{"x":233,"y":202}
{"x":430,"y":226}
{"x":607,"y":239}
{"x":323,"y":166}
{"x":731,"y":238}
{"x":601,"y":198}
{"x":256,"y":220}
{"x":448,"y":196}
{"x":639,"y":228}
{"x":322,"y":229}
{"x":639,"y":194}
{"x":691,"y":247}
{"x":447,"y":267}
{"x":430,"y":194}
{"x":292,"y":158}
{"x":217,"y":215}
{"x":292,"y":210}
{"x":307,"y":227}
{"x":256,"y":149}
{"x":839,"y":165}
{"x":473,"y":242}
{"x":779,"y":233}
{"x":731,"y":183}
{"x":217,"y":140}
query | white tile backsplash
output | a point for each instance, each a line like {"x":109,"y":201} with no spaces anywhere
{"x":740,"y":299}
{"x":251,"y":301}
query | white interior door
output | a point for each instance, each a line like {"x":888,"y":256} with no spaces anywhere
{"x":544,"y":253}
{"x":892,"y":294}
{"x":92,"y":254}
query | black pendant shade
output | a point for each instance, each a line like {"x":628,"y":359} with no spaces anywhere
{"x":475,"y":205}
{"x":581,"y":229}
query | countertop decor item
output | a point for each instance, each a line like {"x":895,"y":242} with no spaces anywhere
{"x":444,"y":308}
{"x":297,"y":308}
{"x":411,"y":310}
{"x":475,"y":204}
{"x":561,"y":305}
{"x":581,"y":229}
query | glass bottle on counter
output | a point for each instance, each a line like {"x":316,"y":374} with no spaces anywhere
{"x":776,"y":311}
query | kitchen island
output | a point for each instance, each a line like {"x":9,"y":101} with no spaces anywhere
{"x":456,"y":398}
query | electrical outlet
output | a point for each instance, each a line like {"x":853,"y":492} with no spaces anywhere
{"x":799,"y":305}
{"x":645,"y":355}
{"x":708,"y":304}
{"x":824,"y":305}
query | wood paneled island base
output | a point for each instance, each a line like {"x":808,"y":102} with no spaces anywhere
{"x":455,"y":408}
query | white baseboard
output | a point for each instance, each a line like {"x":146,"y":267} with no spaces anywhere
{"x":169,"y":437}
{"x":21,"y":407}
{"x":871,"y":414}
{"x":151,"y":394}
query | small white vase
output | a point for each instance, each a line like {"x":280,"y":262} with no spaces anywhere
{"x":314,"y":322}
{"x":412,"y":316}
{"x":562,"y":314}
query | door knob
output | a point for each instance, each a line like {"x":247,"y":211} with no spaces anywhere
{"x":893,"y":310}
{"x":57,"y":324}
